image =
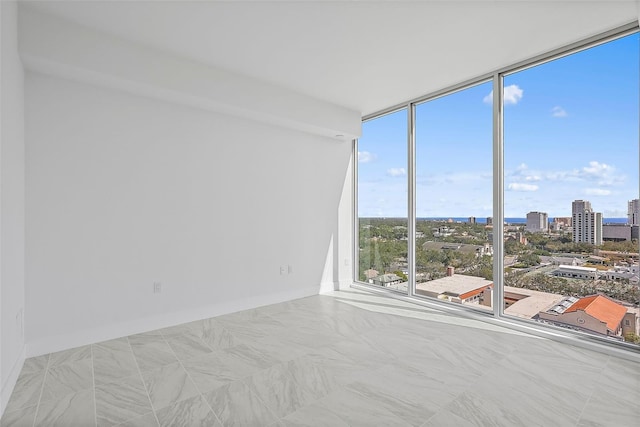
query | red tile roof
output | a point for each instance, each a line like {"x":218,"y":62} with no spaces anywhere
{"x":474,"y":292}
{"x":602,"y":308}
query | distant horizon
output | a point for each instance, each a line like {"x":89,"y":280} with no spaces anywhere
{"x":483,"y":220}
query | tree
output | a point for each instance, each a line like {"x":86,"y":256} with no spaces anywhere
{"x":626,"y":246}
{"x":632,"y":338}
{"x":483,"y":267}
{"x":537,"y":240}
{"x":512,"y":247}
{"x":529,"y":259}
{"x":401,"y":275}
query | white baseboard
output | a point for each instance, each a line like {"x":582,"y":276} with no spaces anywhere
{"x":340,"y":285}
{"x":9,"y":384}
{"x":82,"y":337}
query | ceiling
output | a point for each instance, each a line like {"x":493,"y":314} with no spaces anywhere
{"x":362,"y":55}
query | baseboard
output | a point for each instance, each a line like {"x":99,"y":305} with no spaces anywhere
{"x":79,"y":338}
{"x":10,"y":383}
{"x":340,"y":285}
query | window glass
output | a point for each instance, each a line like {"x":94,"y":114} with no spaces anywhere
{"x":571,"y":191}
{"x":454,"y":229}
{"x":382,"y":202}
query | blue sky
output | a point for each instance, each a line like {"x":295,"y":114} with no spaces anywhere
{"x":570,"y":129}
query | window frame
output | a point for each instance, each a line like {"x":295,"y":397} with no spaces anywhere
{"x":497,"y":77}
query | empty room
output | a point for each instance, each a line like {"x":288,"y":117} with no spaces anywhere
{"x":320,"y":213}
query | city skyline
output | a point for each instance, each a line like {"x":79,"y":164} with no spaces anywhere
{"x":570,"y":132}
{"x":522,"y":216}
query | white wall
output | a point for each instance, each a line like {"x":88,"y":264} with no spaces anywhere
{"x":344,"y":256}
{"x":12,"y":165}
{"x":59,"y":47}
{"x":122,"y":191}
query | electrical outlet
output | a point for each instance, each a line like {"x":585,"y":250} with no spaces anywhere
{"x":157,"y":287}
{"x":283,"y":270}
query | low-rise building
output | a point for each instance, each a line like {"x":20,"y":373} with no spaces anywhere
{"x":371,"y":273}
{"x":457,"y":288}
{"x":442,"y":231}
{"x":575,"y":272}
{"x":619,"y":272}
{"x":526,"y":303}
{"x":561,"y":260}
{"x":518,"y":236}
{"x":386,"y":280}
{"x":595,"y":259}
{"x":595,"y":313}
{"x":619,"y":232}
{"x":562,"y":222}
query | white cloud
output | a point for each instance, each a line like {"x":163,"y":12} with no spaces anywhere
{"x":460,"y":178}
{"x":558,"y":111}
{"x":597,"y":169}
{"x":522,"y":173}
{"x":559,"y":175}
{"x":512,"y":95}
{"x":516,"y":186}
{"x":396,"y":172}
{"x":365,"y":157}
{"x":601,"y":174}
{"x":597,"y":192}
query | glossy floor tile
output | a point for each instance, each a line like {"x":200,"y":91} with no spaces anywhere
{"x":121,"y":401}
{"x":349,"y":358}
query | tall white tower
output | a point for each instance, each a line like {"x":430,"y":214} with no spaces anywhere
{"x":587,"y":224}
{"x":633,"y":213}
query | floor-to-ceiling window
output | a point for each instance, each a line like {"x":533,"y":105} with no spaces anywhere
{"x":571,"y":189}
{"x":567,"y":189}
{"x":454,"y":248}
{"x":382,"y":202}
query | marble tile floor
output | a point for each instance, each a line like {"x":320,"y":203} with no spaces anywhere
{"x":348,"y":358}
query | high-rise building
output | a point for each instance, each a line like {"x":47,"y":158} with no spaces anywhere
{"x":633,"y":213}
{"x":587,"y":224}
{"x":537,"y":222}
